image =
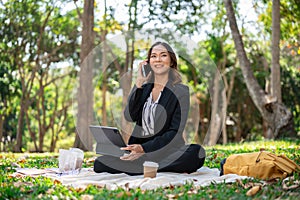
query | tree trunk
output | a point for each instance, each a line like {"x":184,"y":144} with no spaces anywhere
{"x":195,"y":117}
{"x":215,"y":118}
{"x":275,"y":113}
{"x":84,"y":138}
{"x":267,"y":132}
{"x":104,"y":80}
{"x":126,"y":78}
{"x":217,"y":113}
{"x":1,"y":131}
{"x":224,"y":126}
{"x":229,"y":89}
{"x":204,"y":113}
{"x":275,"y":69}
{"x":18,"y":146}
{"x":104,"y":112}
{"x":125,"y":85}
{"x":126,"y":81}
{"x":25,"y":102}
{"x":41,"y":113}
{"x":238,"y":135}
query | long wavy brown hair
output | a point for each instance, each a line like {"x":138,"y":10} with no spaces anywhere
{"x":174,"y":75}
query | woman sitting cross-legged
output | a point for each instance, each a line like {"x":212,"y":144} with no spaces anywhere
{"x":159,"y":105}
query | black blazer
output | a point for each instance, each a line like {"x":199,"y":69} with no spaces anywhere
{"x":170,"y":117}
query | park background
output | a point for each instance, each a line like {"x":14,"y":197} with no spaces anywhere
{"x":50,"y":91}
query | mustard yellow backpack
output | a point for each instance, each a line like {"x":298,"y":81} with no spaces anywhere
{"x":263,"y":165}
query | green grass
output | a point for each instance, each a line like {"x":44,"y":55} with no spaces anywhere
{"x":45,"y":188}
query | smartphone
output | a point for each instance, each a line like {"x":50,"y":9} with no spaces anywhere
{"x":146,"y":69}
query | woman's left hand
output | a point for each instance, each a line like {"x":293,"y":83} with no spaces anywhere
{"x":136,"y":151}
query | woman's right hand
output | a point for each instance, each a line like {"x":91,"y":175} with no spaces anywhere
{"x":140,"y":80}
{"x":136,"y":151}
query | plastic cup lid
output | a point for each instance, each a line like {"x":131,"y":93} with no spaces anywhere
{"x":150,"y":164}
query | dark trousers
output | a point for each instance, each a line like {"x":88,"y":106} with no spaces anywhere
{"x":187,"y":159}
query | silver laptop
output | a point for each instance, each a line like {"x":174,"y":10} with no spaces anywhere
{"x":109,"y":140}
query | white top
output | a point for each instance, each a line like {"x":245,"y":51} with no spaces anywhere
{"x":148,"y":115}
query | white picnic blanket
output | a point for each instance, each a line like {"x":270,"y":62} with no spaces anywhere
{"x":202,"y":177}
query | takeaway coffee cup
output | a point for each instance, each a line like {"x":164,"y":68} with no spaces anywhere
{"x":150,"y":169}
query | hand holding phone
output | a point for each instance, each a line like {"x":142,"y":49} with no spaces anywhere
{"x":146,"y":69}
{"x":143,"y":74}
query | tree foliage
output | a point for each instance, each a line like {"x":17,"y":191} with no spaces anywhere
{"x":39,"y":59}
{"x":36,"y":38}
